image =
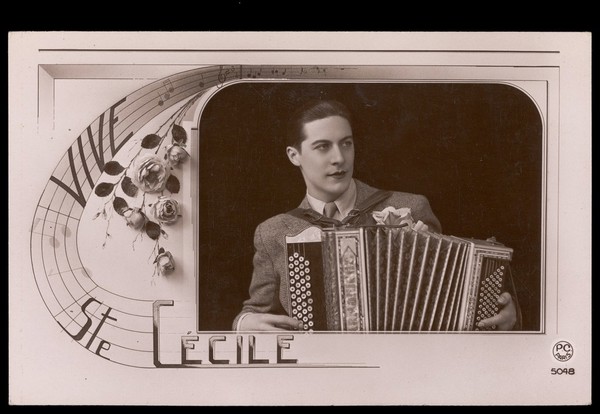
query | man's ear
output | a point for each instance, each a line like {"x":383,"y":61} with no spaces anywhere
{"x":292,"y":153}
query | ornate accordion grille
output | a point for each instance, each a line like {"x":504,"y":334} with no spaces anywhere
{"x":386,"y":278}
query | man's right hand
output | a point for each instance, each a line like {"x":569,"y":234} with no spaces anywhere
{"x":269,"y":322}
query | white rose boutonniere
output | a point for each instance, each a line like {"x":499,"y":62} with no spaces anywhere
{"x":391,"y":216}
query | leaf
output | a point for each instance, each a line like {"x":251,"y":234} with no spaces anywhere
{"x":173,"y":184}
{"x":161,"y":250}
{"x":104,"y":189}
{"x":129,"y":187}
{"x":152,"y":230}
{"x":113,"y":168}
{"x":120,"y":205}
{"x":179,"y":134}
{"x":151,"y":141}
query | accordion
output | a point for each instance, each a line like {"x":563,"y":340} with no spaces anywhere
{"x":393,"y":278}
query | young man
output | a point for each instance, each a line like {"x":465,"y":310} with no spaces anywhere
{"x":321,"y":145}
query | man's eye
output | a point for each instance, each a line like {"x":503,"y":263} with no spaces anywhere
{"x":322,"y":147}
{"x":348,"y":143}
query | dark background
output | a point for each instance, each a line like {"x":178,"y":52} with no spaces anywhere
{"x":474,"y":150}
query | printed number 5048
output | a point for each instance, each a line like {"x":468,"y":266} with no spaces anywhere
{"x":562,"y":371}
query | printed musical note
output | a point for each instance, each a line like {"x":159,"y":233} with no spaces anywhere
{"x":170,"y":88}
{"x":224,"y":74}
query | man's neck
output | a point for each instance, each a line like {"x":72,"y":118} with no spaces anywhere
{"x":345,"y":202}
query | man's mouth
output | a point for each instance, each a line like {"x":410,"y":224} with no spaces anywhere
{"x":337,"y":174}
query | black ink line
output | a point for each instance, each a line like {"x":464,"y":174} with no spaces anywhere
{"x":300,"y":50}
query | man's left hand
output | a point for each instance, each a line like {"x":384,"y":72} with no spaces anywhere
{"x":505,"y":319}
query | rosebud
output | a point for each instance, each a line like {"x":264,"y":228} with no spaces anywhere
{"x":135,"y":218}
{"x":176,"y":154}
{"x":165,"y":263}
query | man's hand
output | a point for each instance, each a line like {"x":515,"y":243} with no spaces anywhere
{"x":505,"y":319}
{"x":269,"y":322}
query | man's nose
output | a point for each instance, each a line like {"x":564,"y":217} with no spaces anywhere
{"x":337,"y":156}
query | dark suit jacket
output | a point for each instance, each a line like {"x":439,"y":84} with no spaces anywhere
{"x":269,"y":290}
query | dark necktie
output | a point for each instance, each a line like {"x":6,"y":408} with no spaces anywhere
{"x":330,"y":209}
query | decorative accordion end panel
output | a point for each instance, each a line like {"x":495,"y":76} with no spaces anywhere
{"x":393,"y":279}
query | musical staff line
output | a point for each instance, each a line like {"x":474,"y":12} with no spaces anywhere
{"x":75,"y":172}
{"x":86,"y":167}
{"x":101,"y":338}
{"x":59,"y":212}
{"x":153,"y":91}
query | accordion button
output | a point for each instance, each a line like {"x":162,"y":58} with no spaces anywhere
{"x":304,"y":311}
{"x":308,"y":293}
{"x":307,"y":278}
{"x":291,"y":258}
{"x":310,"y":323}
{"x":301,"y":258}
{"x":296,"y":277}
{"x":310,"y":315}
{"x":299,"y":308}
{"x":305,"y":319}
{"x":502,"y":267}
{"x":307,"y":285}
{"x":303,"y":288}
{"x":303,"y":296}
{"x":306,"y":262}
{"x":310,"y":301}
{"x":309,"y":308}
{"x":296,"y":262}
{"x":291,"y":265}
{"x":293,"y":303}
{"x":301,"y":265}
{"x":302,"y":273}
{"x":291,"y":273}
{"x":307,"y":270}
{"x":296,"y":255}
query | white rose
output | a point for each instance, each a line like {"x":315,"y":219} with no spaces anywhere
{"x":150,"y":174}
{"x":166,"y":210}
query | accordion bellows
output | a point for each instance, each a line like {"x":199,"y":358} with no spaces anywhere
{"x":390,"y":278}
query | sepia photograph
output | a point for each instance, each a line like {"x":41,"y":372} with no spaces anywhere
{"x":402,"y":223}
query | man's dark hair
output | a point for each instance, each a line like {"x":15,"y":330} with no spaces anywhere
{"x":312,"y":111}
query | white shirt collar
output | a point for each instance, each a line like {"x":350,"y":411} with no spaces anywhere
{"x":344,"y":203}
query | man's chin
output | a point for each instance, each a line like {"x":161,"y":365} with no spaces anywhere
{"x":339,"y":188}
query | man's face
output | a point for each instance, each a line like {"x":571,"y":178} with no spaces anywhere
{"x":326,"y":158}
